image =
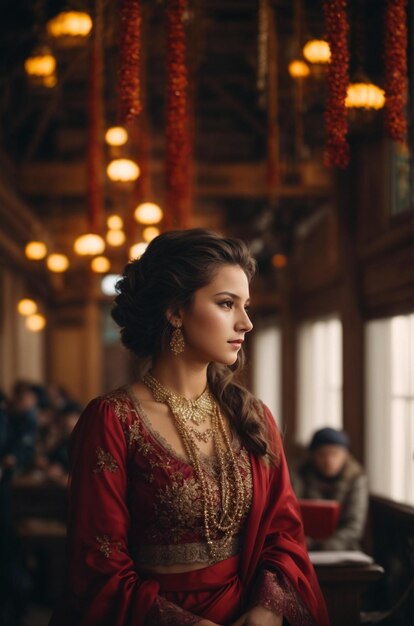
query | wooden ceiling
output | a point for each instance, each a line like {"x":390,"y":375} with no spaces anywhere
{"x":43,"y":138}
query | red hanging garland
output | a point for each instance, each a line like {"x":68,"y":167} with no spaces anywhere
{"x":95,"y":125}
{"x":336,"y":116}
{"x":396,"y":77}
{"x":177,"y":123}
{"x":130,"y":60}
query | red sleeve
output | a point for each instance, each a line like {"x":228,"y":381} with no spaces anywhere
{"x":274,"y":592}
{"x":105,"y":588}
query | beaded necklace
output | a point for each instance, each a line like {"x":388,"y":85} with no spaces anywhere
{"x":227,"y":518}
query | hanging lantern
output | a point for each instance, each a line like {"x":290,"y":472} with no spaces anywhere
{"x":364,"y":95}
{"x":114,"y":222}
{"x":123,"y":170}
{"x":298,"y":69}
{"x":57,"y":263}
{"x":149,"y":233}
{"x":92,"y":244}
{"x":41,"y":64}
{"x":89,"y":245}
{"x":116,"y":136}
{"x":73,"y":24}
{"x":317,"y":51}
{"x":26,"y":306}
{"x":100,"y":264}
{"x":35,"y":250}
{"x":35,"y":322}
{"x":115,"y":237}
{"x":148,"y":213}
{"x":137,"y":250}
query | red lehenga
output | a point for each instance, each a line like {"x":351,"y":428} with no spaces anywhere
{"x":135,"y":502}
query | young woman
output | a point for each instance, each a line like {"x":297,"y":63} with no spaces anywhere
{"x":181,"y":509}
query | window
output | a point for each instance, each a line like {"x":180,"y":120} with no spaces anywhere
{"x":390,"y":407}
{"x":319,"y":377}
{"x":266,"y":362}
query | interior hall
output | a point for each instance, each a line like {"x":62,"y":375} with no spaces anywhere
{"x":287,"y":124}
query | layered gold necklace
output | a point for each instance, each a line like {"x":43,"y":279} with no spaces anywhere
{"x":187,"y":414}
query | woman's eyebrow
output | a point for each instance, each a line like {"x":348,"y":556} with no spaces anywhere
{"x":232,"y":295}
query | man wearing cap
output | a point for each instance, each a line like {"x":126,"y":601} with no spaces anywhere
{"x":331,"y":473}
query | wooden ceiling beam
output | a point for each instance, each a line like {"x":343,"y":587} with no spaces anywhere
{"x":212,"y":180}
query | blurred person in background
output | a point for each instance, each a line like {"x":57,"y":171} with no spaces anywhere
{"x":57,"y":468}
{"x":17,"y":440}
{"x":330,"y":472}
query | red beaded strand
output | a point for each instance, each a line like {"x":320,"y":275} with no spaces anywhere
{"x":336,"y":115}
{"x":396,"y":78}
{"x":177,"y":124}
{"x":130,"y":60}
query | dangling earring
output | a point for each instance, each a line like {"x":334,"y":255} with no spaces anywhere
{"x":177,"y":344}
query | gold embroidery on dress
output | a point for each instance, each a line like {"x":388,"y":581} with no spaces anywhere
{"x":178,"y":511}
{"x":117,"y":401}
{"x":105,"y":461}
{"x":177,"y":504}
{"x":106,"y":545}
{"x":184,"y":553}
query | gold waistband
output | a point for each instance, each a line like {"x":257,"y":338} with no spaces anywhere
{"x":174,"y":554}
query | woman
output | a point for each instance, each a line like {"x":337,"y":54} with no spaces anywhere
{"x":181,"y":507}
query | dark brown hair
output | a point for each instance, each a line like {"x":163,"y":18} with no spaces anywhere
{"x":174,"y":266}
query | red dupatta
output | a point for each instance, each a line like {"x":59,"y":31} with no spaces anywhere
{"x":274,"y":537}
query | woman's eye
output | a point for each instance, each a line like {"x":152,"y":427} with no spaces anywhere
{"x":228,"y":304}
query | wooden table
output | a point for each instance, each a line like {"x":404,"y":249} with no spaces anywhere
{"x":343,"y":586}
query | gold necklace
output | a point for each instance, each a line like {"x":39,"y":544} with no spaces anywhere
{"x":197,"y":411}
{"x":227,"y":517}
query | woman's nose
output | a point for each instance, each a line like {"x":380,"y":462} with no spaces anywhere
{"x":244,"y":323}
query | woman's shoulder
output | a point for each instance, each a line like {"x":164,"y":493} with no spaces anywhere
{"x":117,"y":402}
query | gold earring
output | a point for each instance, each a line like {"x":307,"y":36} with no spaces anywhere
{"x":177,"y":344}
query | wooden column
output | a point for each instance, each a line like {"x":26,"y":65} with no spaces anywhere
{"x":352,"y":319}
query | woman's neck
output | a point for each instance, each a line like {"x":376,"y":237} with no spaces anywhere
{"x":180,"y":377}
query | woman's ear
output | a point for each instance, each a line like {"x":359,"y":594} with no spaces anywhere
{"x":173,"y":316}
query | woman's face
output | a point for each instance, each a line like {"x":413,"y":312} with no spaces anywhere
{"x":215,"y":324}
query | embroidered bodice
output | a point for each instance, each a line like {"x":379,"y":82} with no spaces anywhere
{"x":164,"y":494}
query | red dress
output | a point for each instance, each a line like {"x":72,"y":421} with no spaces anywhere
{"x":134,"y":501}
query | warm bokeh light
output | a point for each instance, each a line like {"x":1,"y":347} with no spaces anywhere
{"x":42,"y":63}
{"x":317,"y":51}
{"x":123,"y":170}
{"x":149,"y":233}
{"x":26,"y":306}
{"x":148,"y":213}
{"x":100,"y":264}
{"x":108,"y":284}
{"x":49,"y":81}
{"x":279,"y":260}
{"x":70,"y":24}
{"x":89,"y":245}
{"x":298,"y":69}
{"x":137,"y":250}
{"x":116,"y":136}
{"x":115,"y":237}
{"x":36,"y":322}
{"x":364,"y":95}
{"x":35,"y":250}
{"x":114,"y":222}
{"x":57,"y":262}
